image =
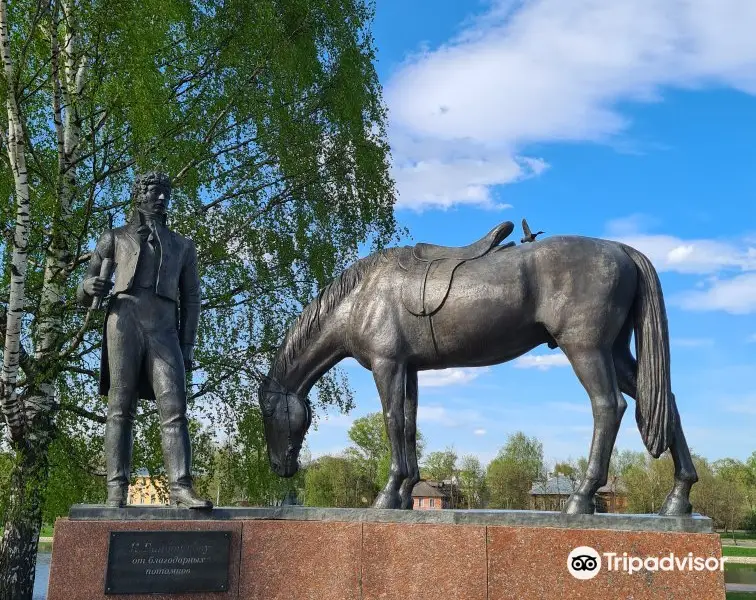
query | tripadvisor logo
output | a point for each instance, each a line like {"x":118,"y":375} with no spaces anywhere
{"x":584,"y":563}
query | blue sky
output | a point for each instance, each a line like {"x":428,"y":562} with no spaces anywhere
{"x":631,"y":120}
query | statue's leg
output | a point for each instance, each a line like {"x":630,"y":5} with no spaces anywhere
{"x":125,"y":352}
{"x":410,"y":439}
{"x":390,"y":380}
{"x":678,"y":500}
{"x":165,"y":369}
{"x":595,"y":369}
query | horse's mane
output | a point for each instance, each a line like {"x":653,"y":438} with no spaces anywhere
{"x":328,"y":298}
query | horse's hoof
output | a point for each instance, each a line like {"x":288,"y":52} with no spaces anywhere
{"x":676,"y":506}
{"x":405,"y":503}
{"x":578,"y":504}
{"x":386,"y":500}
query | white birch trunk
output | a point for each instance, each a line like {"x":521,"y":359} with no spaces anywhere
{"x":68,"y":83}
{"x":24,"y":509}
{"x":11,"y":404}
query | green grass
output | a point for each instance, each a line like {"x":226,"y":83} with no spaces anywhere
{"x":738,"y":551}
{"x":741,"y":596}
{"x":47,"y":531}
{"x":740,"y":535}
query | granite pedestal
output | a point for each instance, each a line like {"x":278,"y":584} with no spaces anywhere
{"x":295,"y":553}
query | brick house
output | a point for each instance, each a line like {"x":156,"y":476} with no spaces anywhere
{"x":431,"y":495}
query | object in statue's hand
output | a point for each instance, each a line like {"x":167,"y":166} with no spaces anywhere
{"x":98,"y":287}
{"x":528,"y":235}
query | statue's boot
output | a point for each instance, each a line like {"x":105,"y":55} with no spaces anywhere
{"x":178,"y":459}
{"x":116,"y":496}
{"x":185,"y":497}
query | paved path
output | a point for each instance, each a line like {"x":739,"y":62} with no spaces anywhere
{"x":741,"y":560}
{"x":740,"y":544}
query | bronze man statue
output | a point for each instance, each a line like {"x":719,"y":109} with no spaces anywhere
{"x":149,"y":335}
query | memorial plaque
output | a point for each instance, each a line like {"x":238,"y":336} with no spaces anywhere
{"x":151,"y":562}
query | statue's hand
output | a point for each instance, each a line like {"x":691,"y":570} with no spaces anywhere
{"x":187,"y":352}
{"x":97,"y":286}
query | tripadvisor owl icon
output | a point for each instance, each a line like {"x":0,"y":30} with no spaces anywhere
{"x":583,"y":563}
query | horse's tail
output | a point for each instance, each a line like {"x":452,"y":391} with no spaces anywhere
{"x":655,"y":410}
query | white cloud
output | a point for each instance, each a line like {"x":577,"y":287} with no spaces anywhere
{"x":551,"y":70}
{"x":701,"y":256}
{"x":446,"y":377}
{"x":543,"y":362}
{"x":736,"y":295}
{"x":447,"y":417}
{"x":730,"y":267}
{"x":433,"y":177}
{"x":479,"y":432}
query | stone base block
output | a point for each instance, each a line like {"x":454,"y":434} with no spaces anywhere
{"x":80,"y":557}
{"x":353,"y":554}
{"x":533,"y":563}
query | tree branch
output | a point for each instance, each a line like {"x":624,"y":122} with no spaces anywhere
{"x":80,"y":371}
{"x":83,"y":412}
{"x":77,"y":339}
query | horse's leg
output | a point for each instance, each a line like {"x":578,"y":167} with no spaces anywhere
{"x":390,"y":380}
{"x":410,"y":439}
{"x":678,"y":500}
{"x":595,"y":369}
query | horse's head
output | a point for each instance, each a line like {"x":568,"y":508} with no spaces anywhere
{"x":287,"y":418}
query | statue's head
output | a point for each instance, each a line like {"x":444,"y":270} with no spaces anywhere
{"x":151,"y":193}
{"x":287,"y":418}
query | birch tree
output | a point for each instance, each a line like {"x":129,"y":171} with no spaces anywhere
{"x":21,"y":531}
{"x":472,"y":480}
{"x":267,"y":114}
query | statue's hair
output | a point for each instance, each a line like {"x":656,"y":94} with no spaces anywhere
{"x":143,"y":180}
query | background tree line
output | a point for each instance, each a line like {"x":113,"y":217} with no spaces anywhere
{"x":235,"y":471}
{"x":726,"y":490}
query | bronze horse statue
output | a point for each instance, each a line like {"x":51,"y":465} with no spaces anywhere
{"x":403,"y":310}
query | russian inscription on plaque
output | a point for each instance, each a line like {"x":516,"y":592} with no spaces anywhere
{"x":149,"y":562}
